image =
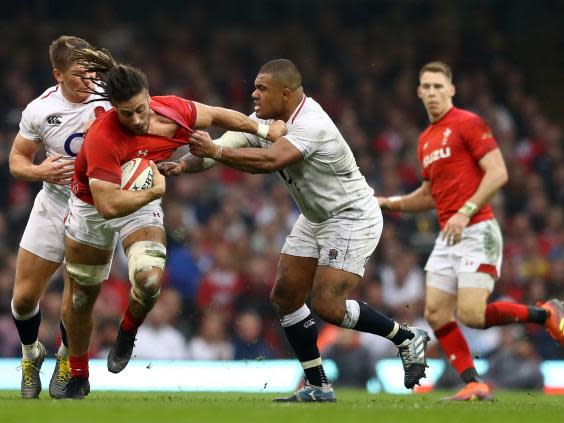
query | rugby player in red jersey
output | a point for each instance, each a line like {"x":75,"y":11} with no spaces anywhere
{"x":462,"y":170}
{"x":100,"y":212}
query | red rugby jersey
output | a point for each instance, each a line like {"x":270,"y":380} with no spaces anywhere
{"x":108,"y":144}
{"x":449,"y":151}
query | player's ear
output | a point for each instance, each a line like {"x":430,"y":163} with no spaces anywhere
{"x":419,"y":93}
{"x":452,"y":90}
{"x":58,"y":75}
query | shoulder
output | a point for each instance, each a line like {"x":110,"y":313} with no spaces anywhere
{"x":42,"y":105}
{"x":169,"y":100}
{"x":312,"y":122}
{"x":174,"y":102}
{"x":104,"y":125}
{"x":466,"y":118}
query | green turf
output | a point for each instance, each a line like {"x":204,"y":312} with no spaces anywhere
{"x":351,"y":406}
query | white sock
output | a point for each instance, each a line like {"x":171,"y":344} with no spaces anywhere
{"x":31,"y":351}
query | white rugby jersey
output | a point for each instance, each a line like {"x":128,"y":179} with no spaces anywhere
{"x":328,"y":180}
{"x":59,"y":125}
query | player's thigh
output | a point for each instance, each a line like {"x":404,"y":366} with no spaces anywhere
{"x":347,"y":244}
{"x":294,"y":278}
{"x":331,"y":288}
{"x":145,"y":224}
{"x":81,"y":253}
{"x":147,"y":233}
{"x":471,"y":305}
{"x":440,"y":304}
{"x":45,"y":229}
{"x":32,"y":276}
{"x":89,"y":239}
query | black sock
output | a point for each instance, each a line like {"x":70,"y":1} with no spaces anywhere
{"x":28,"y":329}
{"x":302,"y":336}
{"x":470,"y":375}
{"x":371,"y":321}
{"x":537,"y":315}
{"x":64,"y":338}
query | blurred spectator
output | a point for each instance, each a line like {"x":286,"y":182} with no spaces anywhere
{"x":352,"y":358}
{"x":157,"y":338}
{"x":211,"y":341}
{"x":248,"y":343}
{"x":515,"y":365}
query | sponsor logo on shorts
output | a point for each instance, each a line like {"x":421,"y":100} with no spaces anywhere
{"x":54,"y":120}
{"x":333,"y":253}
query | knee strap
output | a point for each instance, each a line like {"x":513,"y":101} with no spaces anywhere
{"x":143,"y":256}
{"x":88,"y":274}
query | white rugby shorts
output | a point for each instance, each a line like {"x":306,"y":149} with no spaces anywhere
{"x":479,"y":251}
{"x":44,"y":234}
{"x":343,"y":242}
{"x":85,"y":225}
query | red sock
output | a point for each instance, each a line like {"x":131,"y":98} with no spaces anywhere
{"x":455,"y":347}
{"x":130,"y":323}
{"x":505,"y":313}
{"x":79,"y":366}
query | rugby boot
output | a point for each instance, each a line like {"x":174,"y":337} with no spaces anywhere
{"x":413,"y":357}
{"x":554,"y":323}
{"x":76,"y":388}
{"x":121,"y":351}
{"x":31,"y":381}
{"x":311,"y":393}
{"x":60,"y":377}
{"x":473,"y":391}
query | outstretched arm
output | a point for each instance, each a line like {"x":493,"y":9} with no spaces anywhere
{"x":253,"y":160}
{"x":235,"y":121}
{"x":190,"y":163}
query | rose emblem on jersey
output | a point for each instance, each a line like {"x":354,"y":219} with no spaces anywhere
{"x":98,"y":110}
{"x":333,"y":253}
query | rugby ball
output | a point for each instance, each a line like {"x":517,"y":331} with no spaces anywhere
{"x":136,"y":175}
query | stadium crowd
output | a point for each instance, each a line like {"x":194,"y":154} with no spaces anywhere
{"x":226,"y":228}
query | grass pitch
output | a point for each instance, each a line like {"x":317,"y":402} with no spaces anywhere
{"x":351,"y":406}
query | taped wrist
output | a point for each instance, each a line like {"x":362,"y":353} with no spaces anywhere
{"x":469,"y":209}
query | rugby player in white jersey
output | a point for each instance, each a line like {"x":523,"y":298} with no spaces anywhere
{"x":339,"y":227}
{"x":56,"y":121}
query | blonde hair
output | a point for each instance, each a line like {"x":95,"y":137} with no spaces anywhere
{"x":61,"y":49}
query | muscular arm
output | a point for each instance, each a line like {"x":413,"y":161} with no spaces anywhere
{"x":52,"y":169}
{"x":234,"y":121}
{"x":253,"y":160}
{"x":192,"y":164}
{"x":111,"y":201}
{"x":416,"y":201}
{"x":189,"y":163}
